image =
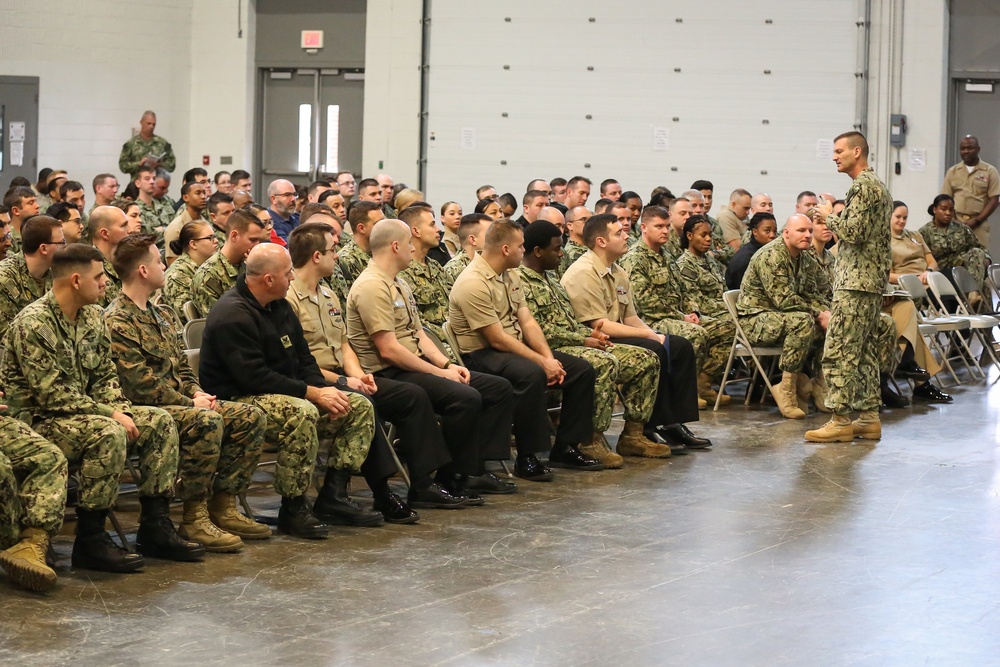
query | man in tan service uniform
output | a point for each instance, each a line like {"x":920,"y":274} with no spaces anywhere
{"x":975,"y":185}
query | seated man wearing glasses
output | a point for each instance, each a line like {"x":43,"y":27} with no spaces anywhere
{"x":282,"y":210}
{"x":219,"y":271}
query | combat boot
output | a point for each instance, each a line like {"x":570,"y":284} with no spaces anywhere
{"x":785,"y":396}
{"x":197,"y":526}
{"x":93,"y":548}
{"x":708,"y":394}
{"x":222,"y":510}
{"x":25,"y":561}
{"x":820,"y":391}
{"x":838,"y":429}
{"x":157,"y":537}
{"x":599,"y":450}
{"x":633,"y":442}
{"x":334,"y":505}
{"x":868,"y":426}
{"x":296,"y":519}
{"x":702,"y":403}
{"x":803,"y":390}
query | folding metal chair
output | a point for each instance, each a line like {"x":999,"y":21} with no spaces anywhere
{"x":941,"y":287}
{"x":193,"y":332}
{"x":993,"y":280}
{"x":190,"y":311}
{"x":741,"y":347}
{"x":966,"y":284}
{"x":949,"y":327}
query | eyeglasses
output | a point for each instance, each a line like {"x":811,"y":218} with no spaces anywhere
{"x":328,"y":250}
{"x":285,"y":194}
{"x":63,"y":242}
{"x":6,"y":237}
{"x":205,"y":238}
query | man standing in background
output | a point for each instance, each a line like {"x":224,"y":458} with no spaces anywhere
{"x":146,"y":148}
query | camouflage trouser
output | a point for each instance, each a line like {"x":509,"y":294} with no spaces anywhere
{"x":225,"y":442}
{"x":797,"y":333}
{"x":32,"y":482}
{"x":635,"y":369}
{"x":973,"y":259}
{"x":711,"y":340}
{"x":851,"y":355}
{"x":294,"y":426}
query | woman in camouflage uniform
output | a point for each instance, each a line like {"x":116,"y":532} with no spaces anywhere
{"x":954,"y":244}
{"x":195,"y":244}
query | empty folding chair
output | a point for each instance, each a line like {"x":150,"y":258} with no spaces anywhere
{"x":941,"y":287}
{"x":949,"y":327}
{"x":193,"y":332}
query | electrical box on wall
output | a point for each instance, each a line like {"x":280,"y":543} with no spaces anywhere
{"x":897,"y":130}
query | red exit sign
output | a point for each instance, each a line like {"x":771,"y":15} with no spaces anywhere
{"x":312,"y":39}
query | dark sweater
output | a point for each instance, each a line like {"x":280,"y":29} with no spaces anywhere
{"x":738,"y":264}
{"x":249,"y":349}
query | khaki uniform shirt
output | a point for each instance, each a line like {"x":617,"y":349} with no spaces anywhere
{"x":452,"y":242}
{"x":173,"y":230}
{"x":971,"y":190}
{"x":909,"y":253}
{"x":378,"y":302}
{"x":732,"y":227}
{"x":481,"y":297}
{"x":322,"y":323}
{"x":598,"y":291}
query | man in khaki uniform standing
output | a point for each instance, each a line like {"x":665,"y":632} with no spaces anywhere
{"x":975,"y":185}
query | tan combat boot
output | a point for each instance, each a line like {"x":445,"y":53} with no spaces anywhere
{"x":598,"y":449}
{"x":702,"y":403}
{"x":708,"y":394}
{"x":784,"y":396}
{"x":803,"y":390}
{"x":25,"y":561}
{"x":198,"y":527}
{"x":868,"y":426}
{"x":819,"y":393}
{"x":223,"y":512}
{"x":632,"y":442}
{"x":838,"y":429}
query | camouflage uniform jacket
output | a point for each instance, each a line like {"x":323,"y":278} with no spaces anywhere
{"x":54,"y":367}
{"x":673,"y":245}
{"x":136,"y":148}
{"x":658,"y":295}
{"x":721,"y":251}
{"x":949,"y":243}
{"x":777,"y":282}
{"x":352,"y":260}
{"x":146,"y":346}
{"x":18,"y":289}
{"x":573,"y":251}
{"x":212,"y":280}
{"x":453,"y":269}
{"x":179,"y":282}
{"x":114,"y":286}
{"x":703,"y":280}
{"x":338,"y":284}
{"x":15,"y":241}
{"x":550,"y":305}
{"x":154,"y":216}
{"x":865,"y":257}
{"x":430,"y":291}
{"x":825,"y":262}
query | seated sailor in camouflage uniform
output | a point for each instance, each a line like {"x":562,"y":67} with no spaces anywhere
{"x":26,"y":277}
{"x":60,"y":379}
{"x":362,"y":216}
{"x":108,"y":225}
{"x":953,"y":243}
{"x":218,"y":273}
{"x":471,"y":235}
{"x":216,"y":438}
{"x":193,"y":247}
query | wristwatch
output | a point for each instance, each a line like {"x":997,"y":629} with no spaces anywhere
{"x":342,"y":381}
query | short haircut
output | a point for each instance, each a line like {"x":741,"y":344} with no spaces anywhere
{"x":323,"y":196}
{"x":193,"y":173}
{"x":130,"y":254}
{"x":758,"y":218}
{"x":608,"y":182}
{"x":239,"y":175}
{"x":100,"y":178}
{"x":411,"y":214}
{"x":856,"y":140}
{"x":702,"y":184}
{"x":557,"y":182}
{"x":536,"y":180}
{"x":689,"y":226}
{"x":306,"y":239}
{"x":468,"y":225}
{"x":576,"y":180}
{"x":316,"y":186}
{"x":368,"y":183}
{"x":216,"y":199}
{"x":162,"y":173}
{"x":189,"y":232}
{"x":532,"y":194}
{"x":37,"y":230}
{"x":358,"y":213}
{"x":123,"y":204}
{"x":507,"y":199}
{"x":17,"y":193}
{"x":803,"y":195}
{"x":102,"y":218}
{"x":186,"y":188}
{"x":539,"y":234}
{"x":596,"y":226}
{"x":144,"y":169}
{"x":53,"y":185}
{"x":501,"y":232}
{"x":688,"y":194}
{"x":69,"y":186}
{"x":311,"y":209}
{"x":60,"y":211}
{"x":651,"y":212}
{"x":337,"y":176}
{"x":242,"y":219}
{"x":739,"y":192}
{"x":481,"y":189}
{"x":73,"y":258}
{"x":675,"y":201}
{"x":601,"y":205}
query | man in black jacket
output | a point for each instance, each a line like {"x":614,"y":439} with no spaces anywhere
{"x":253,"y":351}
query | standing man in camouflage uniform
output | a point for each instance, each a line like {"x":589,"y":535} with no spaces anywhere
{"x":636,"y":370}
{"x":363,"y":216}
{"x":253,"y":351}
{"x":220,"y":438}
{"x":32,"y":502}
{"x":146,"y":149}
{"x":108,"y":226}
{"x":472,"y":235}
{"x":850,"y":358}
{"x":60,"y":378}
{"x":26,"y":277}
{"x":219,"y":272}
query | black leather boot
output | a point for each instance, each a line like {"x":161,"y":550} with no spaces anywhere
{"x":334,"y":505}
{"x":157,"y":537}
{"x":94,"y":549}
{"x":890,"y":398}
{"x":296,"y":519}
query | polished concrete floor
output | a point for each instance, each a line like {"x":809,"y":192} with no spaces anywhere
{"x":763,"y":551}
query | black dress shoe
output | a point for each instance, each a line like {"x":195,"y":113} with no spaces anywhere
{"x":394,"y":510}
{"x":909,"y":369}
{"x":680,"y":433}
{"x":929,"y":392}
{"x":572,"y":458}
{"x":530,"y":468}
{"x":676,"y":448}
{"x":460,"y":489}
{"x":436,"y":497}
{"x":891,"y":399}
{"x":491,"y":484}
